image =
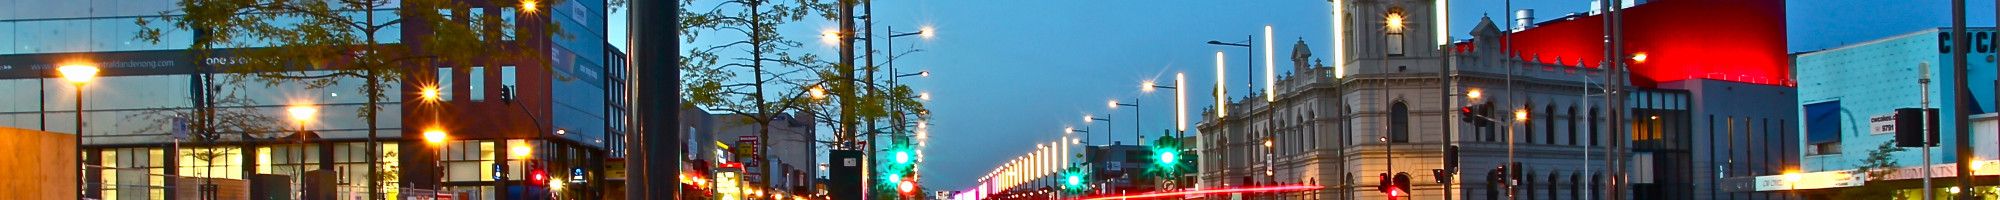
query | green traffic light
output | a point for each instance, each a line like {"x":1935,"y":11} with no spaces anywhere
{"x":902,"y":157}
{"x":1075,"y":180}
{"x":1166,"y":158}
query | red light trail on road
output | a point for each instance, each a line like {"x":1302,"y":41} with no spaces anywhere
{"x":1280,"y":188}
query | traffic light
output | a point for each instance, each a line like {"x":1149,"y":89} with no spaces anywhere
{"x":537,"y":175}
{"x":1385,"y":182}
{"x":1442,"y":176}
{"x":1476,"y":115}
{"x":507,"y":94}
{"x":1451,"y":158}
{"x":907,"y":187}
{"x":902,"y":156}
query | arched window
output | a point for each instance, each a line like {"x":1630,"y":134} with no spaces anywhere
{"x":1349,"y":184}
{"x":1494,"y":129}
{"x":1399,"y":122}
{"x":1575,"y":186}
{"x":1347,"y":127}
{"x":1597,"y":181}
{"x":1553,"y":185}
{"x":1549,"y":127}
{"x":1527,"y":124}
{"x":1594,"y":132}
{"x":1573,"y":123}
{"x":1527,"y":190}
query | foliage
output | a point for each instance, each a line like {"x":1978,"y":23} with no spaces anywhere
{"x":235,"y":116}
{"x":1877,"y":167}
{"x":324,"y":43}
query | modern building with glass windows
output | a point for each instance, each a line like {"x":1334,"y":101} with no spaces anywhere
{"x":563,"y":114}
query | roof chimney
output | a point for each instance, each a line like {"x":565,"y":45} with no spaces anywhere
{"x":1524,"y":19}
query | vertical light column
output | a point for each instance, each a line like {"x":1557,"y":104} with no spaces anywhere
{"x":1443,"y":25}
{"x":1339,"y":39}
{"x":1180,"y":101}
{"x":1270,"y":69}
{"x":1221,"y":93}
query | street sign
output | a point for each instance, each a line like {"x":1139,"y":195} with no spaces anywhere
{"x":499,"y":172}
{"x":576,"y":175}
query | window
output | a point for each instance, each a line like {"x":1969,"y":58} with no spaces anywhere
{"x":1823,"y":127}
{"x":1395,"y":22}
{"x":444,"y":83}
{"x":1549,"y":129}
{"x":1592,"y":121}
{"x":1527,"y":124}
{"x":507,"y":24}
{"x":507,"y":75}
{"x":477,"y":82}
{"x":1399,"y":122}
{"x":477,"y":23}
{"x":1573,"y":123}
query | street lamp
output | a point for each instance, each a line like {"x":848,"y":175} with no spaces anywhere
{"x":429,"y":93}
{"x":1072,"y":130}
{"x":78,"y":75}
{"x":436,"y":138}
{"x":529,"y":6}
{"x":301,"y":113}
{"x":1107,"y":127}
{"x":1250,"y":64}
{"x":1137,"y":132}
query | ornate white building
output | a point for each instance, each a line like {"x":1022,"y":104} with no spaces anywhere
{"x":1391,"y":101}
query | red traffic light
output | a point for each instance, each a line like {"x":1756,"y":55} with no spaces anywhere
{"x":537,"y":175}
{"x":906,"y":187}
{"x":1386,"y":183}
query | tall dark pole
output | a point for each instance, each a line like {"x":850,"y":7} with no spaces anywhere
{"x":43,"y":84}
{"x":1963,"y":95}
{"x":654,"y":42}
{"x":868,"y":51}
{"x":78,"y":171}
{"x":848,"y":95}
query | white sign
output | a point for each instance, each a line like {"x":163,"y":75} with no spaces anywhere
{"x":1815,"y":180}
{"x":1882,"y":124}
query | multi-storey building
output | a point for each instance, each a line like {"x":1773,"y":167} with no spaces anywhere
{"x":558,"y":112}
{"x":1696,"y":103}
{"x":1848,"y":96}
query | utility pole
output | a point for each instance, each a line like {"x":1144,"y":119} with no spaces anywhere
{"x":1963,"y":145}
{"x":654,"y":42}
{"x":848,"y":96}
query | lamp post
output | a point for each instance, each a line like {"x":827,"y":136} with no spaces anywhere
{"x":301,"y":113}
{"x":1137,"y":133}
{"x":1180,"y":105}
{"x":1107,"y":127}
{"x":436,"y":138}
{"x":1250,"y":64}
{"x":522,"y":153}
{"x":78,"y":75}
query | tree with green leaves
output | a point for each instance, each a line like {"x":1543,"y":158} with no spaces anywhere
{"x":713,"y":75}
{"x":1879,"y":164}
{"x":324,"y":43}
{"x":237,"y":119}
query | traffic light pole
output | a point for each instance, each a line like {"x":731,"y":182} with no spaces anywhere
{"x":654,"y":39}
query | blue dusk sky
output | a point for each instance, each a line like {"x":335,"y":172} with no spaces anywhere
{"x":1009,"y":74}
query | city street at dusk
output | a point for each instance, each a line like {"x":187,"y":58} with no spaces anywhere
{"x":999,"y":100}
